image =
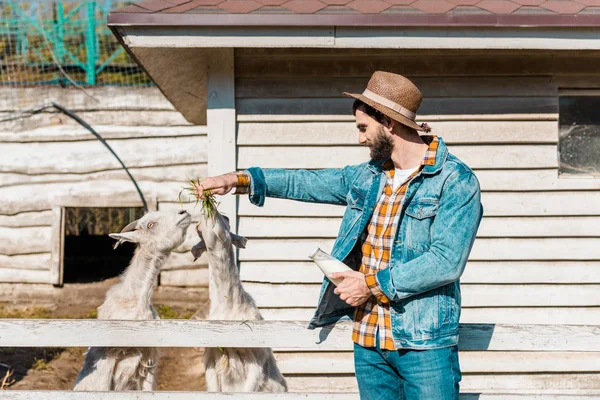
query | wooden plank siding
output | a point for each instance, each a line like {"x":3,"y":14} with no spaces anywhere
{"x":47,"y":160}
{"x":534,"y":260}
{"x":348,"y":63}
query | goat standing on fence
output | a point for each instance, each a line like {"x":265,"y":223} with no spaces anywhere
{"x":156,"y":234}
{"x":232,"y":369}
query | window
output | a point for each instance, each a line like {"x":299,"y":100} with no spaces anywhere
{"x":579,"y":134}
{"x":88,"y":250}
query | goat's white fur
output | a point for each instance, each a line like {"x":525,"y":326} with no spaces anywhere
{"x":157,"y":234}
{"x":232,"y":369}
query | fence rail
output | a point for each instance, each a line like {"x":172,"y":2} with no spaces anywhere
{"x":276,"y":334}
{"x":64,"y":395}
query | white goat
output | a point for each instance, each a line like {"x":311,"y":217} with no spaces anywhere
{"x":232,"y":369}
{"x":157,"y":234}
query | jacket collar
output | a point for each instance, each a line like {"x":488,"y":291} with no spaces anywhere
{"x":376,"y":165}
{"x":440,"y":158}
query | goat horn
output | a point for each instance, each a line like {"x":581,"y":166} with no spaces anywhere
{"x":130,"y":227}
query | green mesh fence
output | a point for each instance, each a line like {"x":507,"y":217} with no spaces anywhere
{"x":63,"y":43}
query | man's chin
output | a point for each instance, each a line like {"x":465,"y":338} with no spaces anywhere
{"x":378,"y":157}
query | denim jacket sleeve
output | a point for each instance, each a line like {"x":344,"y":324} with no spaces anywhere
{"x":453,"y":233}
{"x":316,"y":186}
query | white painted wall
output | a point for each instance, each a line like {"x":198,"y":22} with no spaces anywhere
{"x":535,"y":259}
{"x":48,"y":160}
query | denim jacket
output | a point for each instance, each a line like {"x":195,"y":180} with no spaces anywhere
{"x":438,"y":223}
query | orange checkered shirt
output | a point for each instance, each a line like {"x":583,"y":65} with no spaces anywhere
{"x":374,"y":315}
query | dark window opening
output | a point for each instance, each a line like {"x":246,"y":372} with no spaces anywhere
{"x":88,"y":251}
{"x":579,"y":136}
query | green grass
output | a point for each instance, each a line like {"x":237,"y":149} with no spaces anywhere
{"x":209,"y":205}
{"x":27,"y":312}
{"x":40,"y":364}
{"x":189,"y":190}
{"x":166,"y":312}
{"x":43,"y":363}
{"x":208,"y":202}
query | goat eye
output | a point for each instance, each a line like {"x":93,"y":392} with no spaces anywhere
{"x":150,"y":225}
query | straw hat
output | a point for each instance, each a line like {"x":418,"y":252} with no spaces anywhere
{"x":395,"y":96}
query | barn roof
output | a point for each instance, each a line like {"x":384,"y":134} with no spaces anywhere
{"x":499,"y":13}
{"x":174,"y":39}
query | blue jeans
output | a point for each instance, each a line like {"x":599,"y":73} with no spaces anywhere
{"x":407,"y":374}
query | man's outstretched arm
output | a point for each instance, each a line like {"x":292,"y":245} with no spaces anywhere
{"x":329,"y":186}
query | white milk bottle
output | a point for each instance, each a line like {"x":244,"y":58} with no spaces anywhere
{"x":328,"y":264}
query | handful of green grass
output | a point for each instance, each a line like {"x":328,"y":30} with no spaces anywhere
{"x":208,"y":203}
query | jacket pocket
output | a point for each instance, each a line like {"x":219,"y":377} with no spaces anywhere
{"x":420,"y":215}
{"x":353,"y":214}
{"x":356,"y":198}
{"x":449,"y":311}
{"x":445,"y":306}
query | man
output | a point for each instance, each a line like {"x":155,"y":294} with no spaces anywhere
{"x":412,"y":215}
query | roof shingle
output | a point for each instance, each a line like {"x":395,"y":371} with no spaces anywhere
{"x":366,"y":12}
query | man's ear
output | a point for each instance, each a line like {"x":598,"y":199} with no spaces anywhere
{"x":130,"y":236}
{"x":388,"y":123}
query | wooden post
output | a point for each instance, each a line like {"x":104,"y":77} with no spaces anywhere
{"x":58,"y":246}
{"x":221,"y":122}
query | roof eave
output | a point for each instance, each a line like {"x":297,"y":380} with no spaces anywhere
{"x":358,"y":20}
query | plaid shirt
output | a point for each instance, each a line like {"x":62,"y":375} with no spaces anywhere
{"x":374,"y":315}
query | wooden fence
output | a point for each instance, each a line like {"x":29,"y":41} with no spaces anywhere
{"x":291,"y":335}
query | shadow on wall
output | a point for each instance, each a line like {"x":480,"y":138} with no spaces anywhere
{"x":430,"y":106}
{"x":476,"y":337}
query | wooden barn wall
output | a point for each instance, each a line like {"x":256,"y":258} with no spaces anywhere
{"x":537,"y":256}
{"x":48,"y":160}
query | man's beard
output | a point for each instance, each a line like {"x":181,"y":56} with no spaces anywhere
{"x":381,"y":147}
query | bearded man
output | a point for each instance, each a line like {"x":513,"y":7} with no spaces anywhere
{"x":412,"y":214}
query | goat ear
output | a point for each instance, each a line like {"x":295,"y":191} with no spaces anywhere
{"x":198,"y":249}
{"x":124,"y":237}
{"x":238,"y":241}
{"x":226,"y":219}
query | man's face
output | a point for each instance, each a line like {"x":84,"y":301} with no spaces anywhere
{"x":373,"y":135}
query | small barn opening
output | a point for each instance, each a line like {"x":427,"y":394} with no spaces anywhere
{"x":88,"y":250}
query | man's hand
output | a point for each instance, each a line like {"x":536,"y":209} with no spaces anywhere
{"x":221,"y":184}
{"x":353,"y":289}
